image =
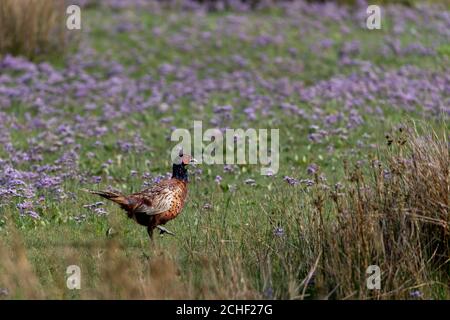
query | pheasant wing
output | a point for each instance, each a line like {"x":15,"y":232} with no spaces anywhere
{"x":155,"y":200}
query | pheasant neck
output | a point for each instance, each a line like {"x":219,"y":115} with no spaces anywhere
{"x":179,"y":172}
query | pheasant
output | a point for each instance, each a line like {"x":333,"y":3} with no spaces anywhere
{"x":155,"y":206}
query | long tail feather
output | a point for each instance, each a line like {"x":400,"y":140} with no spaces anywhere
{"x":110,"y":195}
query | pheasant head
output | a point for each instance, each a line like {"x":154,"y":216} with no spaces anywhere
{"x":179,"y":168}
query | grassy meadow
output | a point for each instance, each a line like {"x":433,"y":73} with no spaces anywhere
{"x":364,"y":154}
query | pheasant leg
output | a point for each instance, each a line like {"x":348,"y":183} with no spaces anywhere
{"x":150,"y":233}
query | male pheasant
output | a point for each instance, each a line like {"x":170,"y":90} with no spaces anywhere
{"x":158,"y":204}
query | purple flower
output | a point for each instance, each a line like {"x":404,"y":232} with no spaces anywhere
{"x":33,"y":214}
{"x":387,"y":174}
{"x":415,"y":294}
{"x":158,"y":179}
{"x":27,"y":208}
{"x":268,"y":293}
{"x":4,"y":292}
{"x":312,"y":169}
{"x":100,"y":211}
{"x":96,"y":179}
{"x":290,"y":180}
{"x":27,"y":205}
{"x":207,"y":206}
{"x":228,"y":168}
{"x":278,"y":232}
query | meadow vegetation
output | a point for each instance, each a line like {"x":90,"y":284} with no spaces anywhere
{"x":364,"y":150}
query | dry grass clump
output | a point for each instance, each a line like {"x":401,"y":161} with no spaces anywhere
{"x":397,"y":217}
{"x":17,"y":275}
{"x":32,"y":27}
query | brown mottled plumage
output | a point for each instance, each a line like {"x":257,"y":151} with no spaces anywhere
{"x":159,"y":204}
